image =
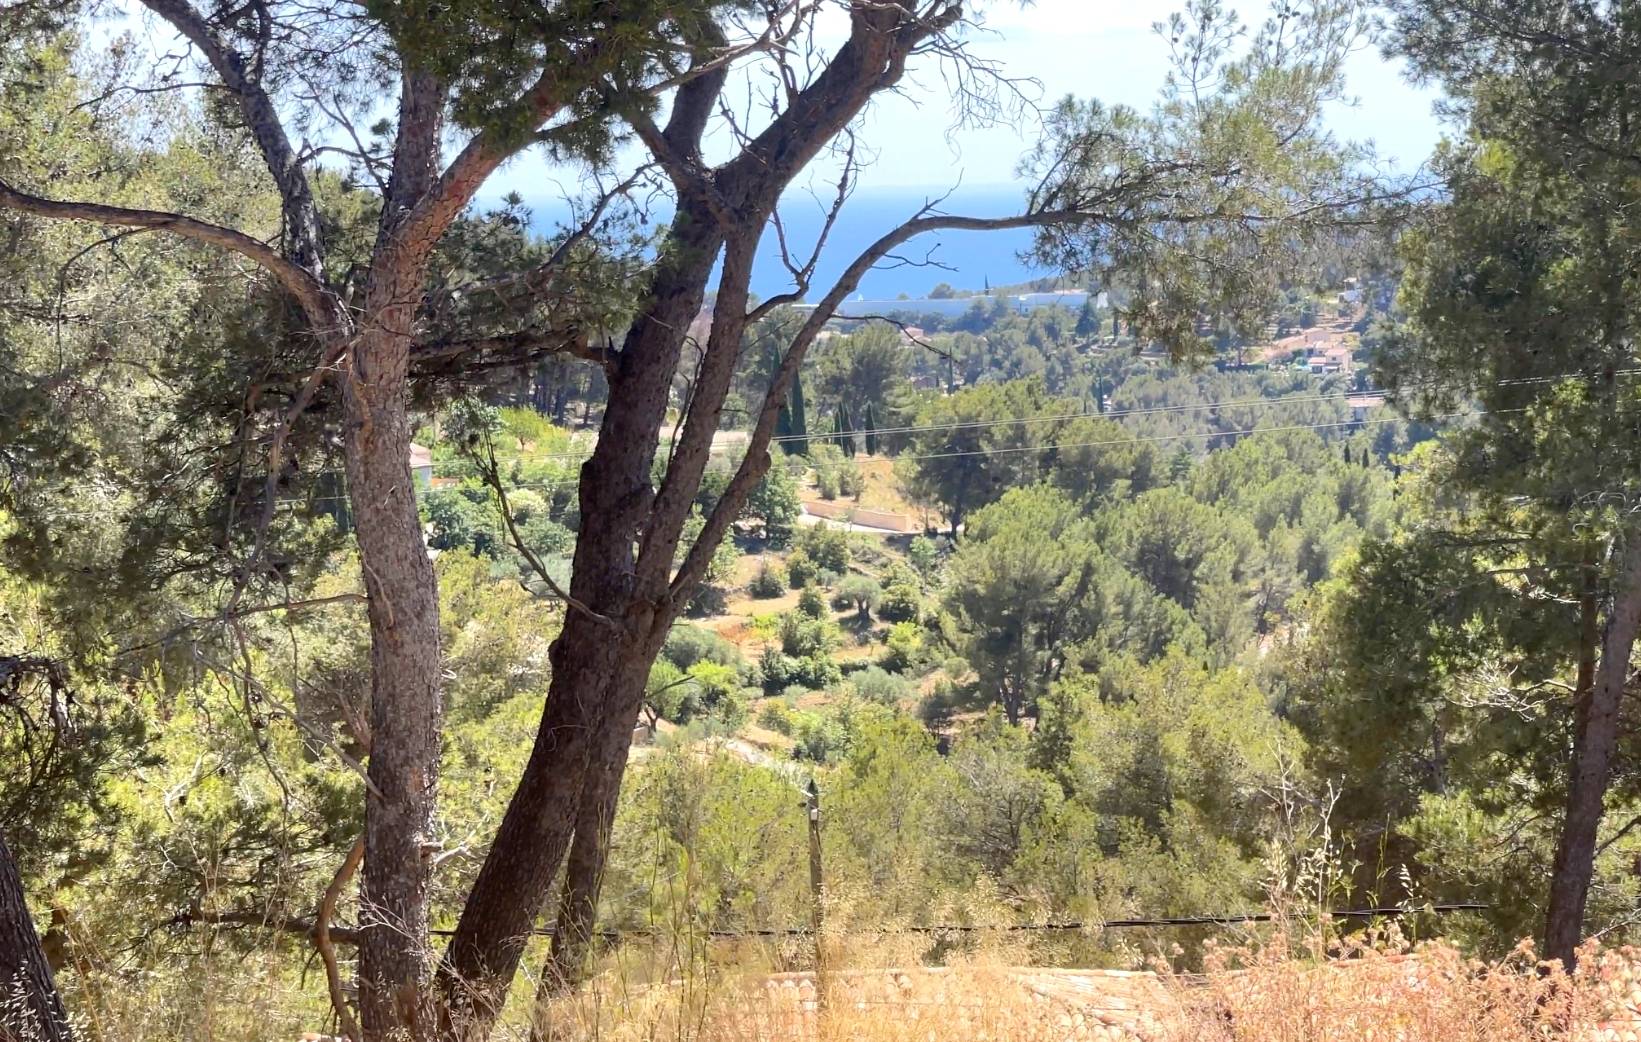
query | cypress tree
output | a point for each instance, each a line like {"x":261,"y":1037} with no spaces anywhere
{"x":1088,"y":322}
{"x":869,"y":424}
{"x":799,"y":419}
{"x":783,"y":427}
{"x":840,"y":429}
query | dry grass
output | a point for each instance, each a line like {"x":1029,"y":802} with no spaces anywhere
{"x":1367,"y":990}
{"x":263,"y":997}
{"x":1305,"y":988}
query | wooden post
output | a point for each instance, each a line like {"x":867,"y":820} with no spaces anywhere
{"x":817,"y":911}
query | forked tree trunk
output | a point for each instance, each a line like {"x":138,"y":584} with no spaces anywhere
{"x":583,"y":881}
{"x":1595,"y":739}
{"x":591,"y":657}
{"x":535,"y":834}
{"x":31,"y":1010}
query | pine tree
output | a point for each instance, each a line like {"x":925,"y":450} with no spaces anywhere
{"x":1179,"y":467}
{"x":869,"y":425}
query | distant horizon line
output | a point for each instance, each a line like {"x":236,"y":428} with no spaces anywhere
{"x":864,"y":189}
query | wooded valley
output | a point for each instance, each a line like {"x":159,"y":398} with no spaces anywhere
{"x":414,"y":611}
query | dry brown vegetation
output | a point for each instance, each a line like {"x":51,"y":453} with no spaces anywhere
{"x":1371,"y":989}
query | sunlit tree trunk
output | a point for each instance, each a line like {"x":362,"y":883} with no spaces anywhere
{"x":30,"y":1008}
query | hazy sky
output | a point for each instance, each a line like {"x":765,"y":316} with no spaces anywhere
{"x":1090,"y":48}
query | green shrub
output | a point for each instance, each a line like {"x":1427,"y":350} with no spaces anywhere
{"x":768,"y":582}
{"x":776,"y":669}
{"x":876,"y":685}
{"x":803,"y":634}
{"x":818,"y":738}
{"x":801,"y":569}
{"x":463,"y":518}
{"x":816,"y":672}
{"x":826,"y":483}
{"x":775,"y":502}
{"x":812,"y":603}
{"x":686,"y":645}
{"x":901,"y":602}
{"x":776,"y":715}
{"x":835,"y":473}
{"x":827,"y":545}
{"x":924,"y":557}
{"x":905,"y":647}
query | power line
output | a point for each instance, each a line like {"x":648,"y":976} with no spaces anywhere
{"x":581,"y":457}
{"x":1161,"y":439}
{"x":423,"y":493}
{"x":1262,"y":402}
{"x":1233,"y":919}
{"x":1056,"y":446}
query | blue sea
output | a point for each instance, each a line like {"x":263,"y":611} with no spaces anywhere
{"x":974,"y":259}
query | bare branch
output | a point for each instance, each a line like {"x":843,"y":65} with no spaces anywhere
{"x":490,"y":471}
{"x":327,"y":950}
{"x":801,"y":276}
{"x":262,"y":119}
{"x":261,"y":920}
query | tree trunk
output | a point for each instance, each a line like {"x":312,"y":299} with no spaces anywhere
{"x":583,"y":879}
{"x":600,"y":664}
{"x":513,"y":884}
{"x":1595,"y":738}
{"x":406,"y":704}
{"x":592,"y":657}
{"x":30,"y":1008}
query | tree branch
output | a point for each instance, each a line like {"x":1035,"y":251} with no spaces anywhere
{"x":327,"y":950}
{"x":491,"y":473}
{"x":314,"y":297}
{"x":338,"y":934}
{"x":442,"y":357}
{"x":536,"y":279}
{"x":300,"y":211}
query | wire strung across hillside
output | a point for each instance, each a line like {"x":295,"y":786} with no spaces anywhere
{"x":570,"y":481}
{"x":1044,"y":447}
{"x":1251,"y":403}
{"x":1258,"y":403}
{"x":1387,"y":912}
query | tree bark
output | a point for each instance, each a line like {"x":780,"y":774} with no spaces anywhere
{"x":1595,"y":738}
{"x":592,"y":656}
{"x":567,"y":963}
{"x":31,"y":1010}
{"x":407,"y":707}
{"x":406,"y":704}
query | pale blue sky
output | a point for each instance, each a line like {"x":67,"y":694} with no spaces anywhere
{"x":1104,"y":49}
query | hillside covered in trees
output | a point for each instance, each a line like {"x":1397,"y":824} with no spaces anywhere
{"x":407,"y":620}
